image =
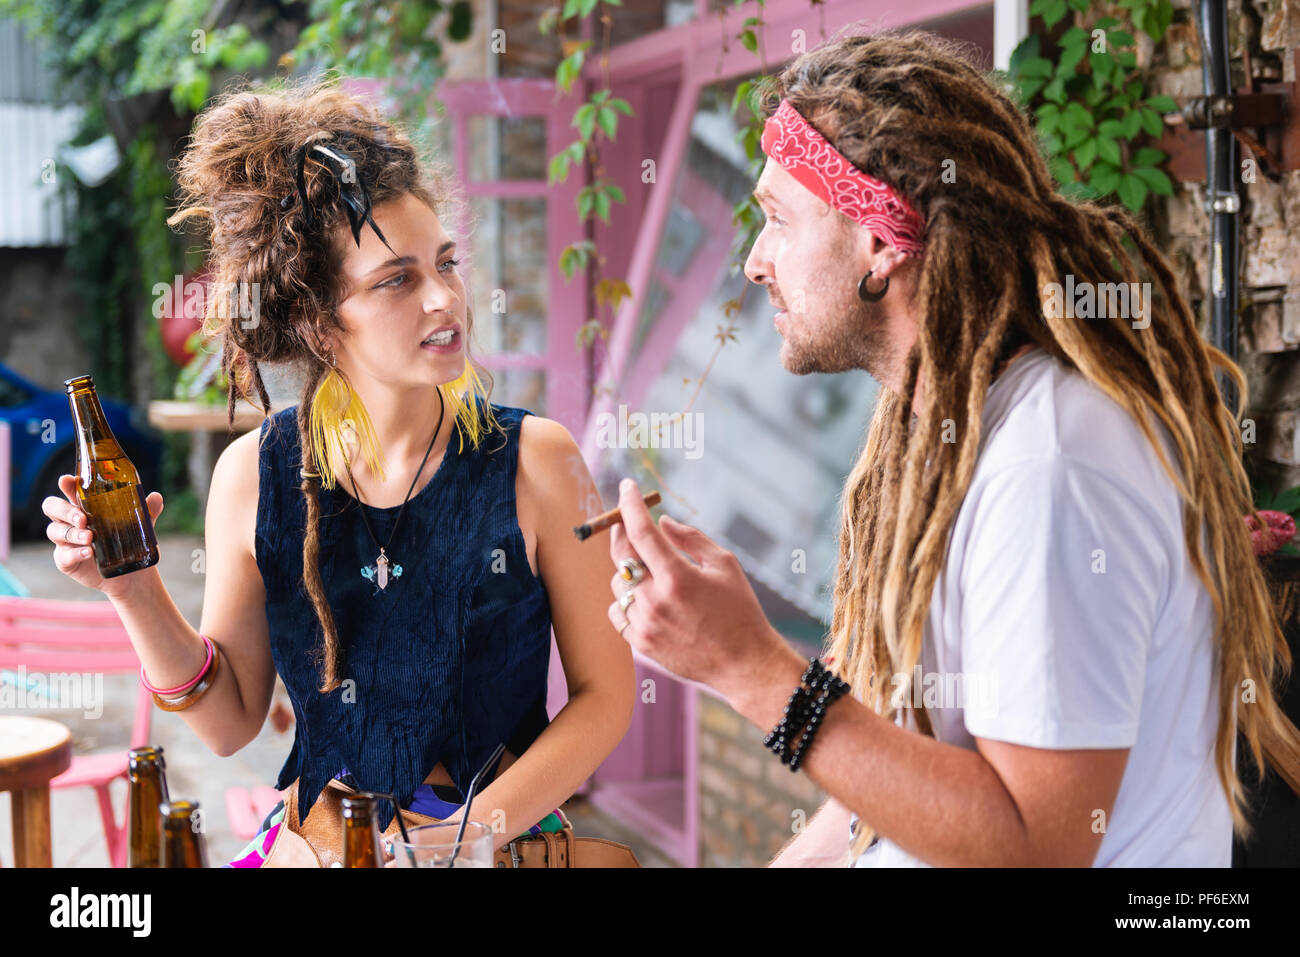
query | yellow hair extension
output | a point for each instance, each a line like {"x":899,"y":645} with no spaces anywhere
{"x":339,"y":421}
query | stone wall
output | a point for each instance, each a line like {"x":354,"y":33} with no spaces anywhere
{"x":1269,"y":347}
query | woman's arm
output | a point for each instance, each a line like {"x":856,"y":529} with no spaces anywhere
{"x":555,"y":493}
{"x":232,"y":711}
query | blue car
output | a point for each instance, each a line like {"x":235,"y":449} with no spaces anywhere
{"x":42,"y":448}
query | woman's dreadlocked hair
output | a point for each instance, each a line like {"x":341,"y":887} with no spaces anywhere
{"x":233,"y":177}
{"x":898,"y":105}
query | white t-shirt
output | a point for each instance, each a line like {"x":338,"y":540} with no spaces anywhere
{"x":1068,"y":615}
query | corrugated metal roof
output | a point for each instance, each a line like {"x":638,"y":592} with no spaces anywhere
{"x":23,"y":77}
{"x":31,"y":213}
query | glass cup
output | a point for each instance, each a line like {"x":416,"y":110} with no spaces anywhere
{"x":434,"y":845}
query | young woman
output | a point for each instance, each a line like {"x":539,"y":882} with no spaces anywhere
{"x":396,"y":546}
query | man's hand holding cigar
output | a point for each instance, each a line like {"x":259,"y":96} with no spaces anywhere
{"x":698,"y":617}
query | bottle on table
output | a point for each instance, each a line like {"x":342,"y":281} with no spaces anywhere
{"x":183,"y":844}
{"x":147,"y":773}
{"x":109,"y":489}
{"x":360,"y":833}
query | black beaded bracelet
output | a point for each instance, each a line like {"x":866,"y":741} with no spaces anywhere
{"x":796,"y":713}
{"x":833,"y":688}
{"x":817,"y":688}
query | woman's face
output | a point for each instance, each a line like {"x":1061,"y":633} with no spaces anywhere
{"x":391,"y":306}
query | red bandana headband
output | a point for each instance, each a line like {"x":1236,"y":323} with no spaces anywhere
{"x":791,"y":140}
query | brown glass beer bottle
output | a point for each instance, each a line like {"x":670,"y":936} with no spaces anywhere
{"x":148,"y":789}
{"x":360,"y":833}
{"x":108,"y":488}
{"x":183,"y":844}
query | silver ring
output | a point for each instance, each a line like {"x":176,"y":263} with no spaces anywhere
{"x":624,"y":628}
{"x":65,"y":535}
{"x":632,"y":570}
{"x":626,"y":599}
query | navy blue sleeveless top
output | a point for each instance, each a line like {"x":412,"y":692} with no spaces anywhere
{"x":446,"y":662}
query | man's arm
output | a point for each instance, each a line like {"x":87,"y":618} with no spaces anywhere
{"x":824,"y":841}
{"x":1003,"y":806}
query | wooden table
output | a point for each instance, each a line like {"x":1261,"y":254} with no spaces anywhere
{"x":32,"y":751}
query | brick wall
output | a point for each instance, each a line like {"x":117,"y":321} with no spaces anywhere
{"x":750,"y":803}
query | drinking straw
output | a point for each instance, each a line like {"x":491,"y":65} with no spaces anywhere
{"x":473,"y":787}
{"x":397,"y":812}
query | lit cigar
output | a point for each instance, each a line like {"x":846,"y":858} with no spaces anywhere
{"x":604,"y":520}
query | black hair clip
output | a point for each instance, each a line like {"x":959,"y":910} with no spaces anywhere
{"x":352,"y":188}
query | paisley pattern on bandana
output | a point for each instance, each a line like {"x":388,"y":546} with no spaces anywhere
{"x":791,"y":140}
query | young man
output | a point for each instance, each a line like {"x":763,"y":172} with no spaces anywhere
{"x":1045,"y":668}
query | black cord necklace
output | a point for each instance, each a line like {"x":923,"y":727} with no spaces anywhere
{"x":380,"y":570}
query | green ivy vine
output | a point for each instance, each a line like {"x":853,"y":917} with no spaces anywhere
{"x":1091,"y":103}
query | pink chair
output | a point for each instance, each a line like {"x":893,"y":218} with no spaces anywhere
{"x":52,"y":636}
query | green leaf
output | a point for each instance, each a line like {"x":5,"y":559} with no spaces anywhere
{"x":1053,"y":12}
{"x":1149,"y":156}
{"x":1026,"y":49}
{"x":1062,"y":169}
{"x":1152,"y":123}
{"x":1132,"y":192}
{"x":1132,"y":122}
{"x":749,"y":40}
{"x":1055,"y":91}
{"x":1049,"y":116}
{"x":570,"y":67}
{"x":602,"y":206}
{"x":1120,"y":38}
{"x":1108,"y":150}
{"x":1158,"y":18}
{"x":1155,"y":179}
{"x":558,"y":170}
{"x":1086,"y":153}
{"x":1163,"y":104}
{"x":623,"y":106}
{"x":1070,"y":58}
{"x":585,"y":120}
{"x":608,"y":121}
{"x":1074,"y":35}
{"x":1025,"y":89}
{"x":1036,"y":66}
{"x":615,"y":193}
{"x":1104,"y":179}
{"x":1105,"y":23}
{"x":1102,"y":65}
{"x":1127,"y":59}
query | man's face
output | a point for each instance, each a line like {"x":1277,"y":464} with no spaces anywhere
{"x":390,"y":307}
{"x":808,"y":256}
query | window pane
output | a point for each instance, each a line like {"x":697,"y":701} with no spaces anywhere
{"x":525,"y":388}
{"x":759,"y":460}
{"x":507,"y":275}
{"x":507,"y":147}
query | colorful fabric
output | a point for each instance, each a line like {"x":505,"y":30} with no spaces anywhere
{"x":807,"y":155}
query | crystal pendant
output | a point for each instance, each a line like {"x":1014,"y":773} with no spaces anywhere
{"x":381,"y":570}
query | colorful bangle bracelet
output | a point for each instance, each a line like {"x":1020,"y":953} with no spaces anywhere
{"x":191,"y":698}
{"x":181,"y":689}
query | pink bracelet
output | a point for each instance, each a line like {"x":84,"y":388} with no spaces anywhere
{"x":189,"y":684}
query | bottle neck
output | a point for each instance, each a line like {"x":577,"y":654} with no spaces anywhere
{"x":95,"y":439}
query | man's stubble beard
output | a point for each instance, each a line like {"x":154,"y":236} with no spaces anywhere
{"x":850,"y":335}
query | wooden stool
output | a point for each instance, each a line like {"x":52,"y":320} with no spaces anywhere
{"x":32,"y":751}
